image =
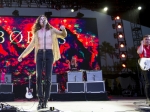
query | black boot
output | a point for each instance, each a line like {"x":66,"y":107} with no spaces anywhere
{"x":45,"y":104}
{"x":40,"y":105}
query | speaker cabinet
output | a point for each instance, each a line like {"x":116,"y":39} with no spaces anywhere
{"x":75,"y":76}
{"x":94,"y":76}
{"x":75,"y":87}
{"x":54,"y":78}
{"x":54,"y":88}
{"x":6,"y":87}
{"x":95,"y":87}
{"x":8,"y":78}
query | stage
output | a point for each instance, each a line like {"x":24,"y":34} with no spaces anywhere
{"x":63,"y":97}
{"x":79,"y":97}
{"x":115,"y":104}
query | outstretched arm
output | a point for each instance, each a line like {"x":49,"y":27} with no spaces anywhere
{"x":27,"y":50}
{"x":61,"y":34}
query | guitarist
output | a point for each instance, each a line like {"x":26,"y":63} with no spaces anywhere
{"x":144,"y":52}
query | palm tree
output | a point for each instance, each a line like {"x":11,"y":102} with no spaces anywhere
{"x":111,"y":53}
{"x":132,"y":53}
{"x":132,"y":61}
{"x":104,"y":50}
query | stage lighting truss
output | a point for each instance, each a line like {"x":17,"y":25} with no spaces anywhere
{"x":79,"y":15}
{"x":123,"y":54}
{"x":15,"y":13}
{"x":117,"y":25}
{"x":58,"y":7}
{"x":115,"y":35}
{"x":124,"y":65}
{"x":113,"y":26}
{"x":9,"y":3}
{"x":48,"y":14}
{"x":116,"y":46}
{"x":74,"y":9}
{"x":19,"y":3}
{"x":118,"y":35}
{"x":115,"y":17}
{"x":121,"y":44}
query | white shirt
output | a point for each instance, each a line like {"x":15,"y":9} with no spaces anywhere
{"x":48,"y":41}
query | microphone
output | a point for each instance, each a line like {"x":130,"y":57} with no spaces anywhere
{"x":44,"y":22}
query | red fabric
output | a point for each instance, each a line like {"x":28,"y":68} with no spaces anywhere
{"x":146,"y":52}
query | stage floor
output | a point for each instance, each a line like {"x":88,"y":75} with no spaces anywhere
{"x":113,"y":105}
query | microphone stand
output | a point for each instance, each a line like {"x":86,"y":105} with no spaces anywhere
{"x":44,"y":57}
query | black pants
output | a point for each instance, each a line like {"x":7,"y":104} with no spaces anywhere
{"x":48,"y":72}
{"x":147,"y":83}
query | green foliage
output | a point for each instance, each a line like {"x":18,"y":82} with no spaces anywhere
{"x":131,"y":61}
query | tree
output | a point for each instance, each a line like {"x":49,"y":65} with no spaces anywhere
{"x":107,"y":49}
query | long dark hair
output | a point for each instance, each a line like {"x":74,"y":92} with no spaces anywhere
{"x":37,"y":25}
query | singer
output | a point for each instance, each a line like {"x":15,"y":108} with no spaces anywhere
{"x":46,"y":53}
{"x":144,"y":52}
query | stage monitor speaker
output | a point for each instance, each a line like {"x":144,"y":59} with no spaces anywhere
{"x":75,"y":87}
{"x":94,"y":76}
{"x":54,"y":88}
{"x":75,"y":76}
{"x":54,"y":78}
{"x":95,"y":87}
{"x":6,"y":87}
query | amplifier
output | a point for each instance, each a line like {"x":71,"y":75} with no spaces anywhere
{"x":54,"y":88}
{"x":8,"y":78}
{"x":94,"y":76}
{"x":75,"y":76}
{"x":75,"y":87}
{"x":95,"y":87}
{"x":6,"y":88}
{"x":54,"y":78}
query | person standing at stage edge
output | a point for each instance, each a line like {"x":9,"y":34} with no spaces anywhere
{"x":44,"y":37}
{"x":144,"y":52}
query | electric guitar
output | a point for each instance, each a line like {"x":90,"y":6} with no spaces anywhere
{"x":144,"y":63}
{"x":29,"y":91}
